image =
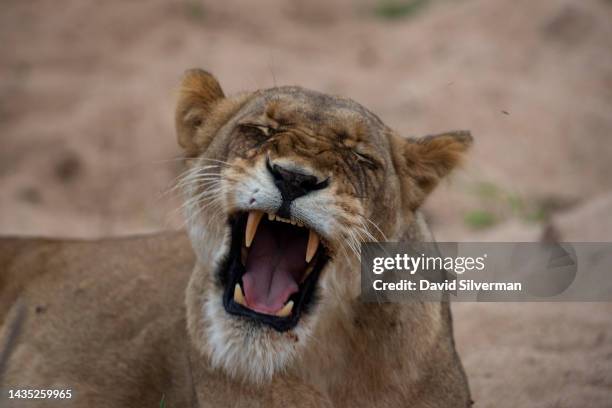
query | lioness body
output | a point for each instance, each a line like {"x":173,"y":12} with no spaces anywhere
{"x":106,"y":319}
{"x":245,"y":312}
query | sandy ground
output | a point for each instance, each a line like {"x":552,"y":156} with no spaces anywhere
{"x":87,"y":144}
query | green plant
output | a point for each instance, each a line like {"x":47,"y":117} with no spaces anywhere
{"x":395,"y":9}
{"x":497,"y":204}
{"x":479,"y":219}
{"x":195,"y":10}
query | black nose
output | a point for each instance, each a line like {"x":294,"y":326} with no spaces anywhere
{"x":293,"y":184}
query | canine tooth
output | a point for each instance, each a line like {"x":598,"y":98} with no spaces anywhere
{"x":270,"y":217}
{"x":313,"y":245}
{"x":286,"y":310}
{"x":238,"y":296}
{"x":251,"y":227}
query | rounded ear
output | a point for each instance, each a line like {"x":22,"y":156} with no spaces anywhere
{"x":198,"y":94}
{"x":422,"y":163}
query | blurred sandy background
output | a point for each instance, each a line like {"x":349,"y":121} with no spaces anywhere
{"x":87,"y":144}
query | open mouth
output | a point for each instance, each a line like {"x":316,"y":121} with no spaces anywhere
{"x":271,"y":272}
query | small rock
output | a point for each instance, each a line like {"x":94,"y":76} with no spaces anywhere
{"x":68,"y":167}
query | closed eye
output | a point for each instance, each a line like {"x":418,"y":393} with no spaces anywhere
{"x":366,"y":159}
{"x":256,"y":129}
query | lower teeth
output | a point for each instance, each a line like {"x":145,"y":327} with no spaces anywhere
{"x":238,"y":296}
{"x":286,"y":310}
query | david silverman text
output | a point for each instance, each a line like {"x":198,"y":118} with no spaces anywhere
{"x":463,"y":285}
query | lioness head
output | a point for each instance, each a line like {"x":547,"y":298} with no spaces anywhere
{"x":282,"y":187}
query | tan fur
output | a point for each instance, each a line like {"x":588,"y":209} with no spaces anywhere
{"x":125,"y":322}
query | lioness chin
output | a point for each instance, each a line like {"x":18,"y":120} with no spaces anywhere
{"x":282,"y":185}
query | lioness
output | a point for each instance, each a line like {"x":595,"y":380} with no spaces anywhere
{"x":263,"y":308}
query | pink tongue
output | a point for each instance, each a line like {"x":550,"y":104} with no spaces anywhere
{"x":275,"y":263}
